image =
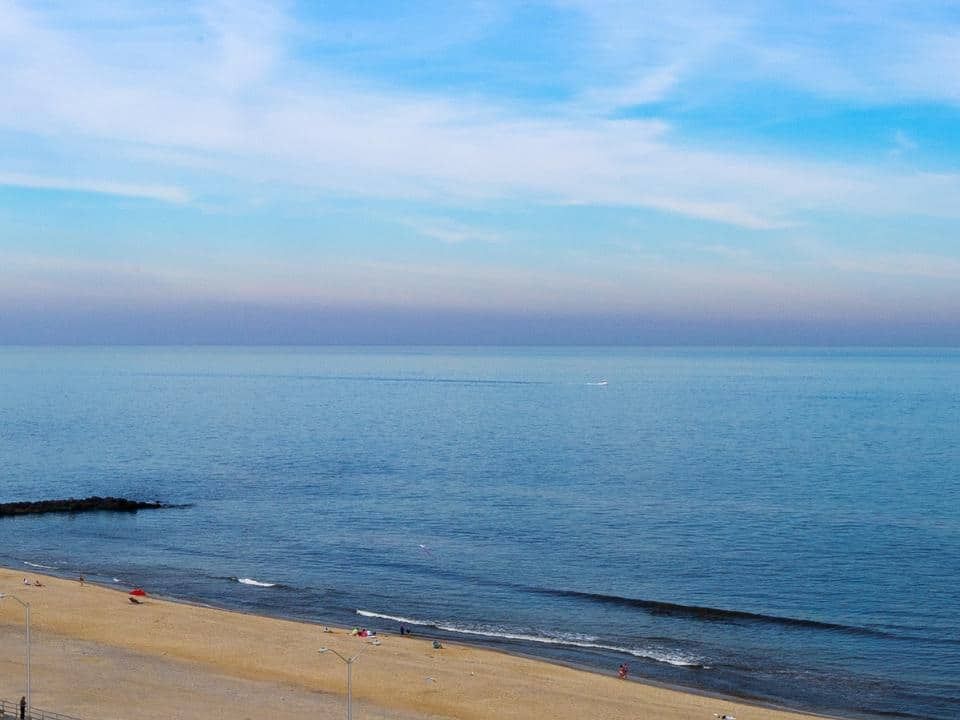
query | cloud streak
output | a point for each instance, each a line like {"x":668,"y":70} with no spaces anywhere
{"x":161,"y":193}
{"x":244,"y":108}
{"x":877,"y":52}
{"x":450,"y":232}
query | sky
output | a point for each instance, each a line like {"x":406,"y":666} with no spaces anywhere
{"x":562,"y":172}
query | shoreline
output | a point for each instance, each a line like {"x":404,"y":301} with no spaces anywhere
{"x":486,"y":646}
{"x":401,"y":677}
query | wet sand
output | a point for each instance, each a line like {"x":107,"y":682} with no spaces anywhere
{"x":97,"y":655}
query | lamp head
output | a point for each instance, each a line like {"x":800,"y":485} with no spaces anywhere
{"x":321,"y":650}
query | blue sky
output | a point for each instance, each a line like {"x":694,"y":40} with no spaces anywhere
{"x":568,"y":171}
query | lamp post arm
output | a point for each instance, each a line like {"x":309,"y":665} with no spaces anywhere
{"x":347,"y":660}
{"x":331,"y":650}
{"x":15,"y":599}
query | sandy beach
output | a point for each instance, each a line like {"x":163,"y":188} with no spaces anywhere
{"x":95,"y":654}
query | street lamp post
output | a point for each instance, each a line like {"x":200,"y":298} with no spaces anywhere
{"x":349,"y":663}
{"x":26,"y":607}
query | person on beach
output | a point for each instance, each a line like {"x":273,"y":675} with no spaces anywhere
{"x":23,"y":707}
{"x":622,"y":671}
{"x":82,"y":578}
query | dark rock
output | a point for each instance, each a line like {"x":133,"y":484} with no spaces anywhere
{"x":75,"y":505}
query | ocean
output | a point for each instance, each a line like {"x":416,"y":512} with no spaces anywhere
{"x":776,"y":524}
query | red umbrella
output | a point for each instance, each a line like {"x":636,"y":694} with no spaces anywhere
{"x":139,"y":592}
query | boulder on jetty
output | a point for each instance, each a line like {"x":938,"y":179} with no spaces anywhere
{"x":75,"y":505}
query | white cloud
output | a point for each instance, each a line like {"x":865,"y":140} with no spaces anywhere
{"x":882,"y":51}
{"x":903,"y":143}
{"x":451,"y":232}
{"x":640,"y":52}
{"x":236,"y":105}
{"x":163,"y":193}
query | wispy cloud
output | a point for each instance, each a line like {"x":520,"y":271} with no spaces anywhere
{"x":723,"y":212}
{"x":451,"y":232}
{"x":903,"y":143}
{"x":163,"y":193}
{"x":882,"y":51}
{"x":643,"y":53}
{"x":240,"y":103}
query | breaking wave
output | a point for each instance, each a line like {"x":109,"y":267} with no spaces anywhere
{"x":662,"y":655}
{"x":255,"y":583}
{"x":697,"y":612}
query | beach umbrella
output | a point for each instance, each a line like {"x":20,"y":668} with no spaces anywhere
{"x":139,"y":592}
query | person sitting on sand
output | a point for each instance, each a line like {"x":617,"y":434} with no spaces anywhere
{"x":622,"y":671}
{"x":38,"y":583}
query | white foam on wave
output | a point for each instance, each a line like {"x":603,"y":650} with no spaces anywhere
{"x":38,"y":565}
{"x":256,"y":583}
{"x":585,"y":642}
{"x":588,"y":642}
{"x":395,"y":618}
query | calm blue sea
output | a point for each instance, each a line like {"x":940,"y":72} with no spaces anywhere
{"x":777,"y":524}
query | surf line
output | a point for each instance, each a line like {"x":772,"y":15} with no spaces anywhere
{"x":666,"y":656}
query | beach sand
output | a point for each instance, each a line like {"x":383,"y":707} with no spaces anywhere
{"x":96,"y":655}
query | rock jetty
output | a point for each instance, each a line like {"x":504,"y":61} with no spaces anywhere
{"x":75,"y":505}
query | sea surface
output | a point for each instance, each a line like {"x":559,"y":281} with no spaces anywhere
{"x":776,"y":524}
